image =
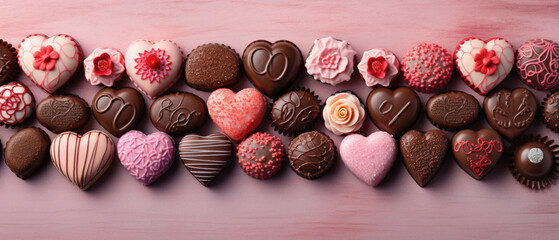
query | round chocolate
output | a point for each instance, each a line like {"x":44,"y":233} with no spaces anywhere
{"x":63,"y":113}
{"x":312,"y":154}
{"x":26,"y":151}
{"x":118,"y":110}
{"x":261,"y":155}
{"x":534,"y":161}
{"x":178,"y":113}
{"x":537,"y":64}
{"x":8,"y":62}
{"x":393,"y":111}
{"x":510,"y":112}
{"x":295,"y":112}
{"x":551,"y":111}
{"x":452,"y":110}
{"x":211,"y":66}
{"x":272,"y":67}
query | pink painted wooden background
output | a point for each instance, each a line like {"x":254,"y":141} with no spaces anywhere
{"x":338,"y":206}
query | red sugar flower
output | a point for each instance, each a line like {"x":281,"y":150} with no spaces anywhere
{"x":45,"y":58}
{"x":103,"y":65}
{"x":486,"y":62}
{"x":377,"y":66}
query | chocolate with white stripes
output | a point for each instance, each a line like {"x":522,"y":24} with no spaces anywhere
{"x":205,"y":156}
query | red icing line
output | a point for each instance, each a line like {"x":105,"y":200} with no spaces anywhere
{"x":467,"y":147}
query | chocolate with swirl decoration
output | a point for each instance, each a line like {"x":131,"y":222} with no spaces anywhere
{"x":118,"y":110}
{"x":295,"y":111}
{"x":178,"y":113}
{"x":312,"y":154}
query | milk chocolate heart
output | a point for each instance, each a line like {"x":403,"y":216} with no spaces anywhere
{"x":49,"y":62}
{"x":393,"y":111}
{"x":82,"y":159}
{"x":484,"y":64}
{"x":63,"y":113}
{"x":153,"y":67}
{"x":272,"y":67}
{"x":477,"y":153}
{"x":510,"y":112}
{"x":423,"y":154}
{"x":205,"y":156}
{"x":118,"y":110}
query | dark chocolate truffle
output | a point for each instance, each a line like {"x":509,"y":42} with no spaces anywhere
{"x":312,"y":154}
{"x":178,"y":113}
{"x":261,"y":155}
{"x":295,"y":112}
{"x":26,"y":151}
{"x":510,"y":112}
{"x":118,"y":110}
{"x":551,"y":111}
{"x":211,"y":66}
{"x":8,"y":62}
{"x":534,"y":161}
{"x":452,"y":110}
{"x":205,"y":156}
{"x":63,"y":113}
{"x":536,"y":61}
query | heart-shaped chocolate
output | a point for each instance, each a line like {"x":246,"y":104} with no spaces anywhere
{"x":452,"y":110}
{"x":369,"y":158}
{"x":118,"y":110}
{"x":272,"y":67}
{"x":477,"y":153}
{"x":49,"y":62}
{"x":26,"y":151}
{"x":205,"y":156}
{"x":510,"y":112}
{"x":153,"y":67}
{"x":237,"y":114}
{"x":82,"y":159}
{"x":146,"y":157}
{"x":423,"y":154}
{"x":484,"y":64}
{"x":63,"y":113}
{"x":393,"y":111}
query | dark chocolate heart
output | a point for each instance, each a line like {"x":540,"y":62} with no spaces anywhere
{"x":393,"y":111}
{"x":63,"y":113}
{"x":118,"y":110}
{"x":205,"y":156}
{"x":272,"y":67}
{"x":510,"y":112}
{"x":423,"y":153}
{"x":477,"y":153}
{"x":178,"y":113}
{"x":26,"y":151}
{"x":452,"y":110}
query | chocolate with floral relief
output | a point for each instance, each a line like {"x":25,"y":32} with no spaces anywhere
{"x":452,"y":110}
{"x":178,"y":113}
{"x":61,"y":113}
{"x":510,"y":112}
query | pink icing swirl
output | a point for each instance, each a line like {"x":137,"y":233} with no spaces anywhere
{"x":539,"y":59}
{"x":330,"y":61}
{"x":343,"y":113}
{"x":391,"y":72}
{"x":105,"y":78}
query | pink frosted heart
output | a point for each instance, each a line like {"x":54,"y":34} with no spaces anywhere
{"x":146,"y":157}
{"x":369,"y":158}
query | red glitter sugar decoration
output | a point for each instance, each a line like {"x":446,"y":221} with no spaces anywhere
{"x":153,"y":65}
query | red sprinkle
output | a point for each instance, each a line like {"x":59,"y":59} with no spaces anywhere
{"x":261,"y":155}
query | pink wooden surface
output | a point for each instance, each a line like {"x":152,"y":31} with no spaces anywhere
{"x":338,"y":206}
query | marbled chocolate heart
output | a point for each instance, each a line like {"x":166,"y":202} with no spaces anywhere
{"x":510,"y":112}
{"x":423,"y":153}
{"x":477,"y":153}
{"x":272,"y":67}
{"x":118,"y":110}
{"x":393,"y":111}
{"x":63,"y":113}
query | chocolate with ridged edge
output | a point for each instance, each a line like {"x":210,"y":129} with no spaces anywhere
{"x":27,"y":151}
{"x":393,"y":111}
{"x":477,"y":152}
{"x":205,"y":156}
{"x":118,"y":110}
{"x":8,"y":62}
{"x":510,"y":112}
{"x":534,"y":161}
{"x":61,"y":113}
{"x":452,"y":110}
{"x":550,"y":111}
{"x":178,"y":113}
{"x":423,"y":153}
{"x":272,"y":67}
{"x":295,"y":112}
{"x":211,"y":66}
{"x":312,"y":154}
